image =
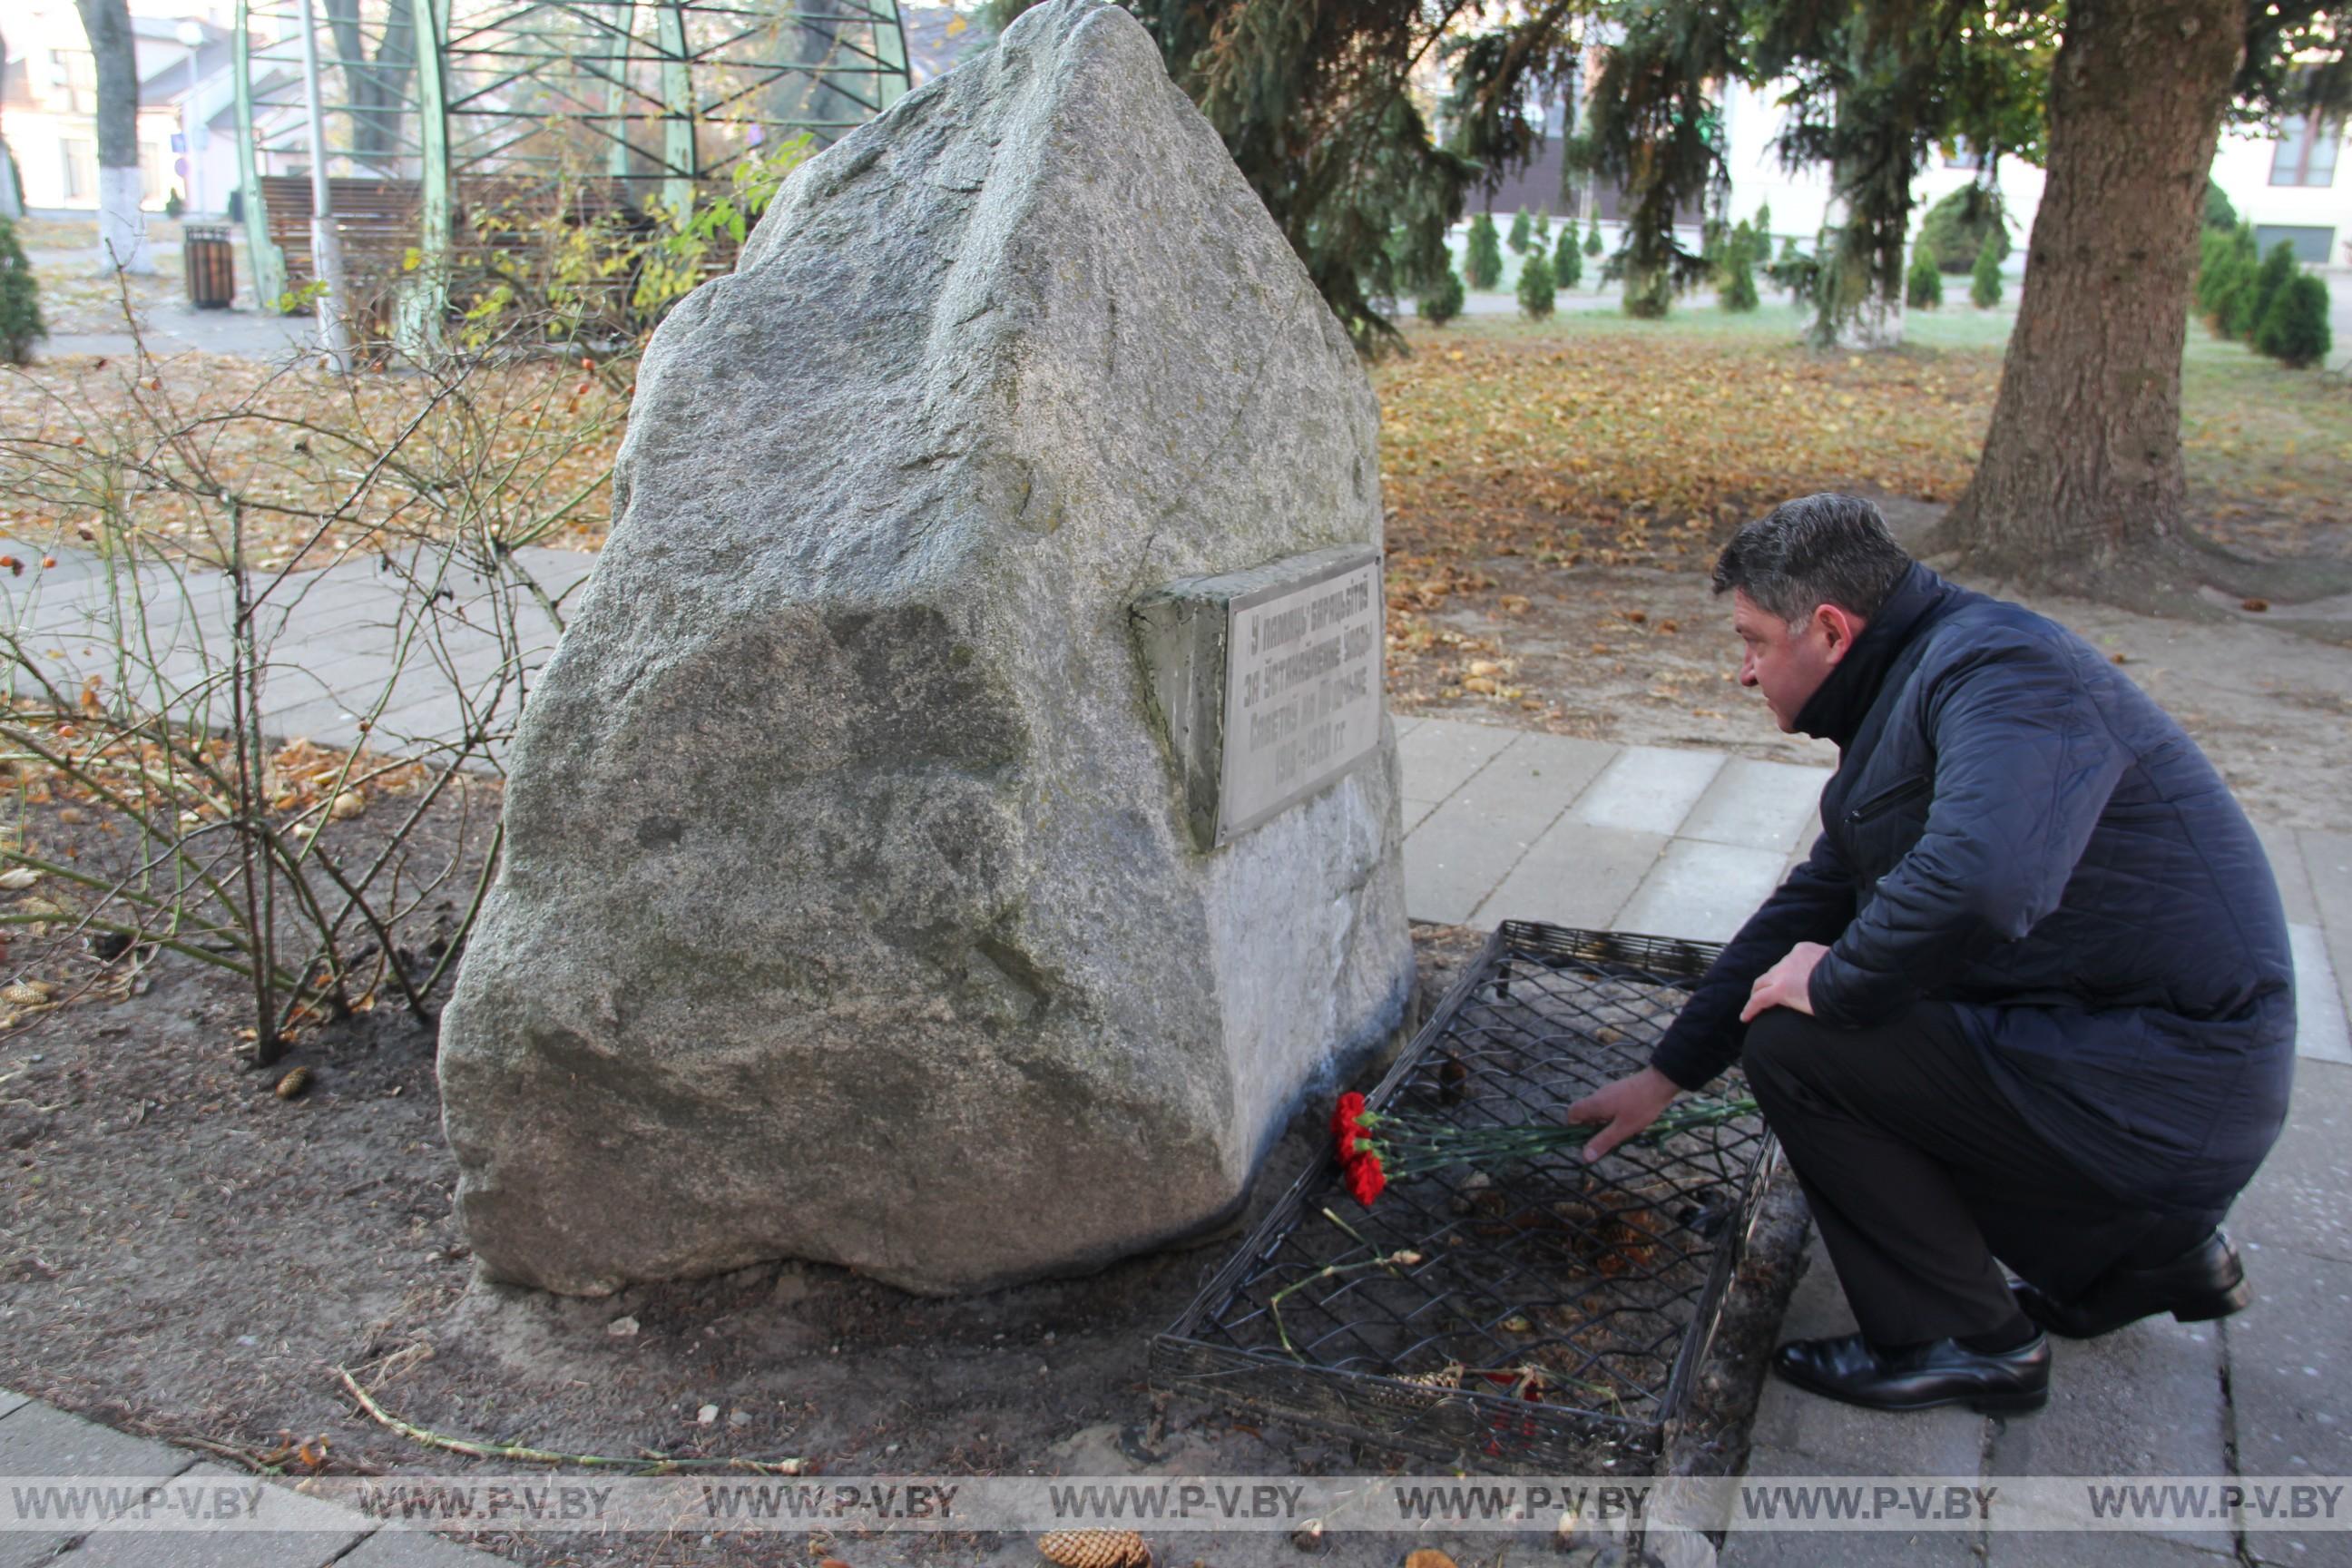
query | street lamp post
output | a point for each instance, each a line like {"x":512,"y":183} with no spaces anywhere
{"x":326,"y":245}
{"x":192,"y":36}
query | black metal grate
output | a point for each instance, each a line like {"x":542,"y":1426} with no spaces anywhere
{"x":1558,"y":1312}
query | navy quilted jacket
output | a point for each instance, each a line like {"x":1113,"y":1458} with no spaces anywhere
{"x":2016,"y":829}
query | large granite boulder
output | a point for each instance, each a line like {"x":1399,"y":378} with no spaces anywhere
{"x":849,"y":909}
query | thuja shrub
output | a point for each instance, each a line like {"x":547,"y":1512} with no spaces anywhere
{"x":1442,"y":303}
{"x":2294,"y":328}
{"x":2278,"y":269}
{"x":1568,"y":261}
{"x":1958,"y":227}
{"x":1922,"y":285}
{"x":20,"y":301}
{"x":1484,"y":262}
{"x":1736,"y":289}
{"x":1984,"y":280}
{"x":1537,"y":295}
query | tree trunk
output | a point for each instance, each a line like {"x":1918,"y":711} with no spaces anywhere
{"x":121,"y":229}
{"x":377,"y":89}
{"x":2081,"y":472}
{"x":12,"y":200}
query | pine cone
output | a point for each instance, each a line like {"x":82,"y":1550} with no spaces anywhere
{"x":294,"y":1084}
{"x":1095,"y":1548}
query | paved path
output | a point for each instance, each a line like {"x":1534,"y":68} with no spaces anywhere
{"x":38,"y":1440}
{"x":343,"y":646}
{"x":1504,"y":824}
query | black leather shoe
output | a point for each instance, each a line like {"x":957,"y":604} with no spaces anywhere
{"x":1941,"y":1372}
{"x":2205,"y":1282}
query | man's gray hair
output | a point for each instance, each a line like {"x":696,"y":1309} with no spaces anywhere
{"x":1817,"y":550}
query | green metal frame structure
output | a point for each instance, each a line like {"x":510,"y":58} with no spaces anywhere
{"x":440,"y":100}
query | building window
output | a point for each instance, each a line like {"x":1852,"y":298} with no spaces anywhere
{"x":81,"y":168}
{"x":2310,"y":244}
{"x":155,"y":173}
{"x":2304,"y":153}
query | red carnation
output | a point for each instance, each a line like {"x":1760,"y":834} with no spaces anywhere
{"x":1366,"y":1180}
{"x":1346,"y":1125}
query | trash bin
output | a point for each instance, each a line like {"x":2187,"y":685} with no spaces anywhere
{"x":212,"y":267}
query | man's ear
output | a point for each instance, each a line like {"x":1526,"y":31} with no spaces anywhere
{"x":1839,"y":628}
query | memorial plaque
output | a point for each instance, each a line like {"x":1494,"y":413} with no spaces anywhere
{"x":1303,"y":691}
{"x":1266,"y":682}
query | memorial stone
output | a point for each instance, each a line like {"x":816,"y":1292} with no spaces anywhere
{"x":857,"y":903}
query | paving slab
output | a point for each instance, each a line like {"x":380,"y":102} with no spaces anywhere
{"x":1461,"y":850}
{"x":1759,"y":805}
{"x":2301,"y":1198}
{"x":2146,"y":1400}
{"x":1575,"y":875}
{"x":304,"y":1532}
{"x":1840,"y":1549}
{"x":2098,"y":1549}
{"x":2291,"y":1386}
{"x":2328,"y":859}
{"x":11,"y":1402}
{"x":1833,"y":1439}
{"x":72,"y":566}
{"x":1648,"y":789}
{"x":1702,"y":890}
{"x":2319,"y":1028}
{"x":2287,"y":869}
{"x":1556,"y":768}
{"x":1440,"y":755}
{"x":37,"y":1440}
{"x":390,"y":1548}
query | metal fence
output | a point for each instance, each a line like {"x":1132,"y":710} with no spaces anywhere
{"x":1540,"y":1315}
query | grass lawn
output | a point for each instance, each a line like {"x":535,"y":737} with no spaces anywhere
{"x":1586,"y":438}
{"x":1594,"y":437}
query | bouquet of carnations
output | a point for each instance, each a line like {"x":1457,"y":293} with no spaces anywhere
{"x":1377,"y":1147}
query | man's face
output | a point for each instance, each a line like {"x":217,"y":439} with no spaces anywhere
{"x":1788,"y":660}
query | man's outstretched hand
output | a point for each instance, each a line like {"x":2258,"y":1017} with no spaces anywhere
{"x":1630,"y":1104}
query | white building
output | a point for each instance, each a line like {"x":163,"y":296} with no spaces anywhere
{"x":48,"y":104}
{"x":2287,"y":186}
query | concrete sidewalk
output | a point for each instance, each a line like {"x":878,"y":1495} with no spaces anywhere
{"x":347,"y":650}
{"x":1505,"y":824}
{"x":38,"y":1440}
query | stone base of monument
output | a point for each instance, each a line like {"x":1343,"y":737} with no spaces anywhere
{"x":1542,"y":1315}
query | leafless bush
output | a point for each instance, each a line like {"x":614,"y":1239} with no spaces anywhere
{"x":278,"y":606}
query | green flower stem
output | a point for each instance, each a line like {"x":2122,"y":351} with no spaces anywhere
{"x":1410,"y":1148}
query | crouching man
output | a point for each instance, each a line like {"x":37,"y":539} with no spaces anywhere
{"x":2027,"y":1002}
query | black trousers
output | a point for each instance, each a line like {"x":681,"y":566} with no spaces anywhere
{"x":1924,"y":1180}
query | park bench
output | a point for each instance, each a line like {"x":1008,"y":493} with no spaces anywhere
{"x":380,"y":220}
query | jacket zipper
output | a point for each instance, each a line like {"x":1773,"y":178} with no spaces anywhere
{"x":1887,"y":800}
